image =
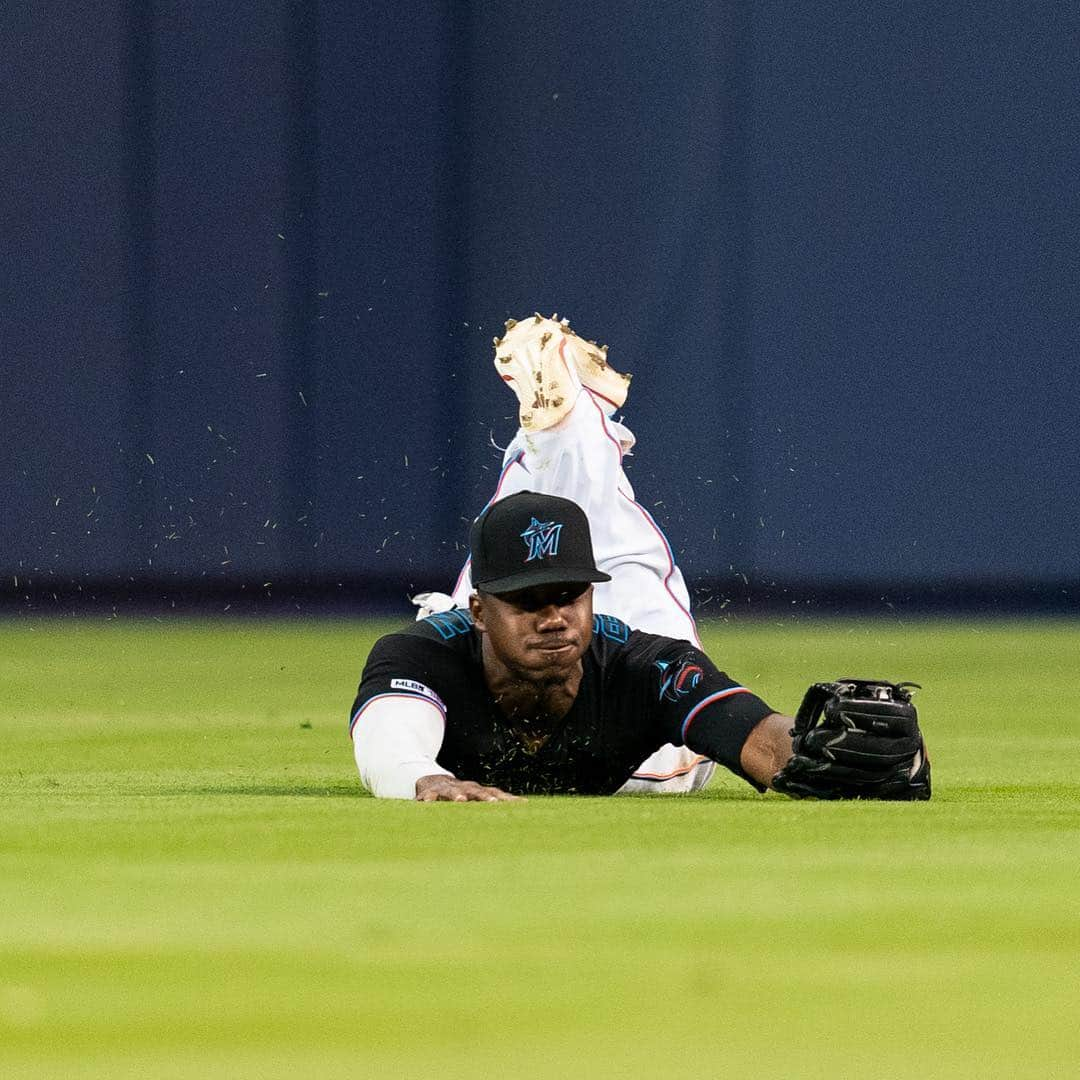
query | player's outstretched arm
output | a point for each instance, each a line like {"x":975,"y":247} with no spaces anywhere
{"x":396,"y":739}
{"x":441,"y":788}
{"x":767,"y":749}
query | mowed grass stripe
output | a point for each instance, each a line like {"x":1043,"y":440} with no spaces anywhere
{"x":192,"y":884}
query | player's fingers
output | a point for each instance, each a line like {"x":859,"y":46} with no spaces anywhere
{"x":442,"y":793}
{"x":472,"y":792}
{"x":464,"y":791}
{"x":497,"y":795}
{"x":480,"y":793}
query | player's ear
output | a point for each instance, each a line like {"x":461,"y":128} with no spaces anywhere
{"x":476,"y":610}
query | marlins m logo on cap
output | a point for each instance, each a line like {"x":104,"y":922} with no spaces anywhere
{"x":541,"y":538}
{"x":555,"y":532}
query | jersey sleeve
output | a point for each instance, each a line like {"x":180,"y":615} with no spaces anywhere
{"x":401,"y":666}
{"x":695,"y":703}
{"x":398,"y":718}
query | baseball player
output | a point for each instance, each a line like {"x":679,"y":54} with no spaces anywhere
{"x":513,"y":685}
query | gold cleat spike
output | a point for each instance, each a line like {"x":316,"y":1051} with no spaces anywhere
{"x":511,"y":323}
{"x":544,"y":339}
{"x":539,"y":317}
{"x":504,"y":359}
{"x":496,"y":341}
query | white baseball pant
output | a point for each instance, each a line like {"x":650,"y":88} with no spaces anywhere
{"x":581,"y":459}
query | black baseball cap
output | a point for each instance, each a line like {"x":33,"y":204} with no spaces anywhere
{"x":531,"y":539}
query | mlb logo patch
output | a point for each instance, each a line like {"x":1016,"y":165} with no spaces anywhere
{"x":411,"y":686}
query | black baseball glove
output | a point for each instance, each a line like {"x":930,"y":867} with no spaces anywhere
{"x":856,"y":739}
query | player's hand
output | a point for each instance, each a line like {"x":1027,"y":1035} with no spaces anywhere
{"x":440,"y":788}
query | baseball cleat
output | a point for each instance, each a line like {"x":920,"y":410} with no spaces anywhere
{"x":547,"y":364}
{"x":596,"y":374}
{"x":534,"y":359}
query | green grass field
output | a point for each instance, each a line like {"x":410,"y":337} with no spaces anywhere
{"x":193,"y":884}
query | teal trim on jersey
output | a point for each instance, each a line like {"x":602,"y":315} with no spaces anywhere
{"x":611,"y":628}
{"x":451,"y":624}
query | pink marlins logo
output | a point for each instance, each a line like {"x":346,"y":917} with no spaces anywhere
{"x":678,"y":679}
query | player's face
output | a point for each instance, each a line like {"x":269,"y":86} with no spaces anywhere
{"x":538,"y":632}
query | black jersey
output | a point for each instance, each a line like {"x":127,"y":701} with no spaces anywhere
{"x":638,"y":692}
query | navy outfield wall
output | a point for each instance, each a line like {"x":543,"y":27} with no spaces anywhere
{"x":255,"y":256}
